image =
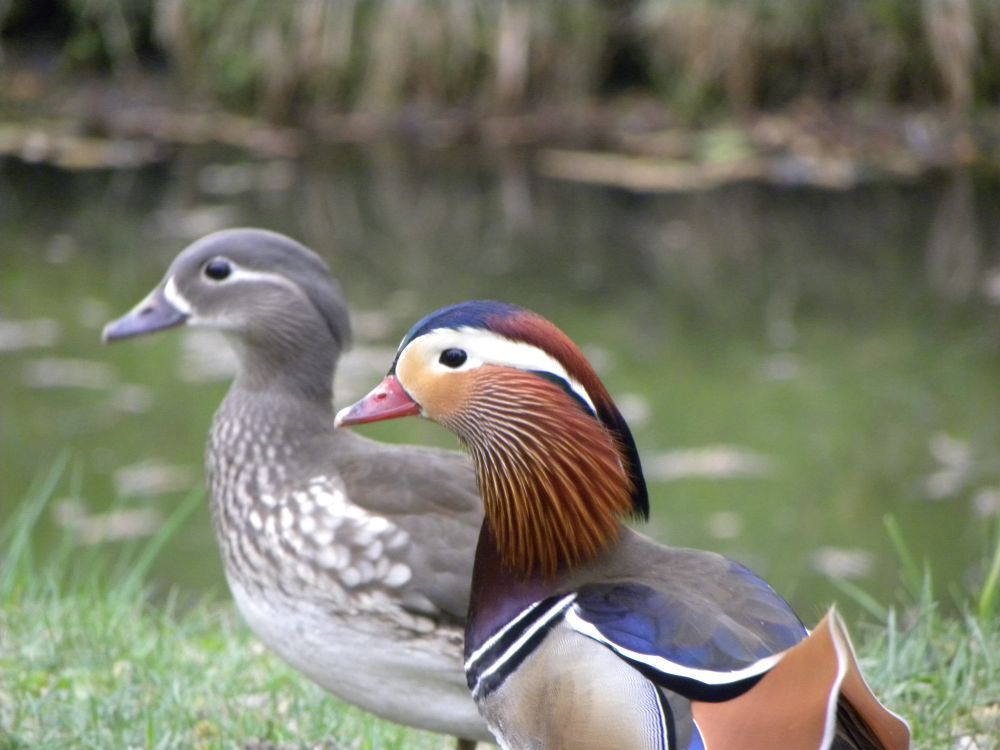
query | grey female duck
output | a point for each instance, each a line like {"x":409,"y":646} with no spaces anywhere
{"x":347,"y":557}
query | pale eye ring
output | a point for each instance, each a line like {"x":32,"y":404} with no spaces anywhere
{"x":453,"y":358}
{"x":218,"y":269}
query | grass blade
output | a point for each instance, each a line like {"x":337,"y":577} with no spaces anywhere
{"x":914,"y":576}
{"x":151,"y":548}
{"x":862,"y":598}
{"x":989,"y":595}
{"x":15,"y":536}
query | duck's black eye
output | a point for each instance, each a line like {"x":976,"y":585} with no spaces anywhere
{"x":218,"y":269}
{"x":453,"y":357}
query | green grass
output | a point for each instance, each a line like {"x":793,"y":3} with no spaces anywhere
{"x":941,"y":672}
{"x":91,"y":658}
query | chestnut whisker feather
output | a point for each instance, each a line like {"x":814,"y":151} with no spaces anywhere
{"x":532,"y":443}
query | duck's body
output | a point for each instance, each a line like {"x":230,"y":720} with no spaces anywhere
{"x":349,"y":558}
{"x":576,"y":692}
{"x":333,"y":570}
{"x":582,"y":633}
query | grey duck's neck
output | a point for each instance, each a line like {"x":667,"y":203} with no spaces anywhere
{"x":301,"y":368}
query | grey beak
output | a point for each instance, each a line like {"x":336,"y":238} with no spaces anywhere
{"x":153,"y":314}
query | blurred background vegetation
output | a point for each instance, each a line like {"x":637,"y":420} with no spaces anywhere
{"x":774,"y":225}
{"x":836,"y":317}
{"x":699,"y":57}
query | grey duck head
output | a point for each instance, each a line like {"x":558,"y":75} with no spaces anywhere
{"x":274,"y":299}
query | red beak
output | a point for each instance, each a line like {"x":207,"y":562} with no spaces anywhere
{"x":387,"y":401}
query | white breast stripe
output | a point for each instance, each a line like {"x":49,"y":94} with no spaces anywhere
{"x":499,"y":634}
{"x":557,"y":610}
{"x":661,"y":702}
{"x":660,"y":664}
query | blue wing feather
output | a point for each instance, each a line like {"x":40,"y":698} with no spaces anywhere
{"x":704,"y":647}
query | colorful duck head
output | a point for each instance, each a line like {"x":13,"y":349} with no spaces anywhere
{"x":537,"y":421}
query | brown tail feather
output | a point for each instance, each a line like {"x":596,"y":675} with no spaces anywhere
{"x":814,"y":698}
{"x":891,"y":731}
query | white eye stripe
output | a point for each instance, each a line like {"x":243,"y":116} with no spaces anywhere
{"x":176,"y":298}
{"x":238,"y":273}
{"x":485,"y":347}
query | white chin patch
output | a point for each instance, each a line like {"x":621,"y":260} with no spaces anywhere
{"x":175,"y":298}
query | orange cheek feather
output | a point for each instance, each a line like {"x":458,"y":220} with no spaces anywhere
{"x":440,"y":395}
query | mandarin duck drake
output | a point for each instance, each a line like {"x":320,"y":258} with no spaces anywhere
{"x":582,"y":633}
{"x":347,"y":557}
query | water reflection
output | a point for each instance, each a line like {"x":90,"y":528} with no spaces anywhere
{"x":953,"y":244}
{"x":793,"y":360}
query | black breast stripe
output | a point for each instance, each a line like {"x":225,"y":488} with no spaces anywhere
{"x":489,"y":665}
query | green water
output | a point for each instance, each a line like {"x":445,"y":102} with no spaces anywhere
{"x":797,"y":364}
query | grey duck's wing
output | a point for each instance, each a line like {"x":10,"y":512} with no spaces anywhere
{"x":429,"y":495}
